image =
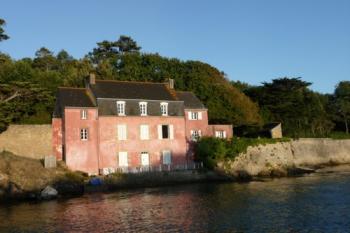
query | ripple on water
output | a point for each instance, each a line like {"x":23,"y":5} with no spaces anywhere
{"x":316,"y":203}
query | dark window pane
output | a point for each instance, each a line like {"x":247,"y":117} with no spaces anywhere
{"x":165,"y":131}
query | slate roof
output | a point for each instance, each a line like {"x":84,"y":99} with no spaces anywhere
{"x":71,"y":97}
{"x":190,"y":100}
{"x":131,"y":90}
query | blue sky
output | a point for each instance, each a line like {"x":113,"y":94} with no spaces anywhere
{"x":251,"y":41}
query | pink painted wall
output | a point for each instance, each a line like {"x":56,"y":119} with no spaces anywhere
{"x":110,"y":145}
{"x":81,"y":155}
{"x":57,"y":138}
{"x":201,"y":125}
{"x":227,"y":128}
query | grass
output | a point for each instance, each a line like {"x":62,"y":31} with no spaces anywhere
{"x":339,"y":135}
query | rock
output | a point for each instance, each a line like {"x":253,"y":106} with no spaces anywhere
{"x":48,"y":193}
{"x":4,"y":181}
{"x":299,"y":171}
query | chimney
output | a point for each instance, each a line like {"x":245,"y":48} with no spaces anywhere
{"x":171,"y":83}
{"x":92,"y":78}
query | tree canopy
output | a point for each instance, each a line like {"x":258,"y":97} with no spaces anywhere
{"x":28,"y":87}
{"x":3,"y":36}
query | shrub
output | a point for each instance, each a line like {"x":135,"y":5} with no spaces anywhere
{"x":210,"y":150}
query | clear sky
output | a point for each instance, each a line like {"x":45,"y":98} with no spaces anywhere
{"x":251,"y":41}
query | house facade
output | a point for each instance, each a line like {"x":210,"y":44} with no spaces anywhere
{"x":128,"y":126}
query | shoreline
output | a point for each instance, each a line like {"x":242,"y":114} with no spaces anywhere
{"x":114,"y":183}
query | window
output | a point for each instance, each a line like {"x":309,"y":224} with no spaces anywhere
{"x":122,"y":134}
{"x":195,"y":115}
{"x":166,"y":157}
{"x":83,"y":114}
{"x":83,"y":134}
{"x":220,"y":134}
{"x":123,"y":159}
{"x":144,"y":159}
{"x":121,"y":108}
{"x":143,"y":108}
{"x":165,"y":131}
{"x":164,"y":108}
{"x":144,"y":132}
{"x":195,"y":135}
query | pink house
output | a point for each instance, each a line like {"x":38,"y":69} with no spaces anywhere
{"x":113,"y":126}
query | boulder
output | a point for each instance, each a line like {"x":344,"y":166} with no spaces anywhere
{"x":48,"y":193}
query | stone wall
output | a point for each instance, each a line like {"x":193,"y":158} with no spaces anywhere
{"x":31,"y":141}
{"x":280,"y":157}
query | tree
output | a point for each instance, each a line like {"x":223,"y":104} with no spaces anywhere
{"x":126,"y":44}
{"x":111,"y":50}
{"x":342,"y":102}
{"x":24,"y":102}
{"x":64,"y":56}
{"x":3,"y":36}
{"x":288,"y":100}
{"x":44,"y":59}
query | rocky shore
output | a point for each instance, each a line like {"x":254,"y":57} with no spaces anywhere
{"x":26,"y":179}
{"x":287,"y":158}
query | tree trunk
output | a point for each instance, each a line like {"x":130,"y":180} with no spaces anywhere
{"x":346,"y":126}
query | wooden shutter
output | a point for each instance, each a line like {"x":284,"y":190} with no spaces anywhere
{"x":190,"y":115}
{"x":160,"y":134}
{"x":171,"y":129}
{"x":199,"y":115}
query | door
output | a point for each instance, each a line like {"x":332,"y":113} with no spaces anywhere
{"x":123,"y":159}
{"x":144,"y":159}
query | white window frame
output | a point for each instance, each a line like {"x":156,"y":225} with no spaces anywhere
{"x":83,"y":114}
{"x":148,"y":158}
{"x":122,"y":132}
{"x":166,"y":157}
{"x":195,"y":134}
{"x":144,"y":132}
{"x":170,"y":132}
{"x":125,"y":163}
{"x":195,"y":115}
{"x":164,"y":108}
{"x":220,"y":134}
{"x":84,"y":134}
{"x":121,"y":108}
{"x":143,"y":108}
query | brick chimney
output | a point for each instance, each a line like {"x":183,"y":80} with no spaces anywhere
{"x":171,"y":83}
{"x":92,"y":78}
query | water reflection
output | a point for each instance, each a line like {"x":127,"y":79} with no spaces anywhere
{"x":317,"y":203}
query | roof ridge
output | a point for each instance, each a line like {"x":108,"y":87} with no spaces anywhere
{"x":127,"y":81}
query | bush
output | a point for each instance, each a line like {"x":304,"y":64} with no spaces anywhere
{"x":210,"y":150}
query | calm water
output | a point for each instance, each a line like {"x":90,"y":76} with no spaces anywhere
{"x":314,"y":203}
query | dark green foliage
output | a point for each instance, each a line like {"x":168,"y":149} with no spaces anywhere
{"x":3,"y":36}
{"x":341,"y":104}
{"x":303,"y":113}
{"x":210,"y":150}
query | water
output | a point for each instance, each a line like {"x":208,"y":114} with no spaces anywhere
{"x":313,"y":203}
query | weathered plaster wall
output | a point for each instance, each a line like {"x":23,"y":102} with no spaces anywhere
{"x":110,"y":145}
{"x":278,"y":158}
{"x":31,"y":141}
{"x":81,"y":155}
